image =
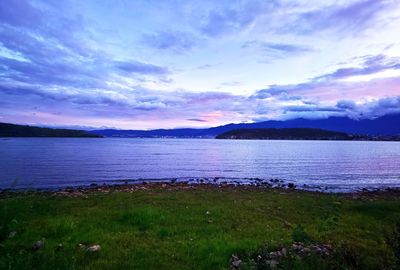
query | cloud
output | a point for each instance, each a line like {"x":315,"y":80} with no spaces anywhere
{"x":174,"y":41}
{"x":370,"y":64}
{"x":40,"y":59}
{"x":196,"y":120}
{"x":285,"y":48}
{"x":334,"y":83}
{"x":348,"y":108}
{"x":141,"y":68}
{"x":320,"y":96}
{"x":207,"y":66}
{"x":278,"y":50}
{"x":233,"y":83}
{"x":371,"y":109}
{"x":93,"y":77}
{"x":350,"y":17}
{"x":285,"y":90}
{"x":310,"y":108}
{"x":10,"y":13}
{"x":346,"y":104}
{"x":234,"y":17}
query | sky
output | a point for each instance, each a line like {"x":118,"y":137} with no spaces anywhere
{"x":166,"y":64}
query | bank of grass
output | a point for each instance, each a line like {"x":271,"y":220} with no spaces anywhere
{"x":196,"y":228}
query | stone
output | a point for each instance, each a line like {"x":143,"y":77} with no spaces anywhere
{"x":12,"y":234}
{"x":273,"y":254}
{"x":38,"y":245}
{"x":273,"y":264}
{"x":93,"y":248}
{"x":235,"y":262}
{"x":287,"y":224}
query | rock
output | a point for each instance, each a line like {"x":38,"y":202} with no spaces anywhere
{"x":287,"y":224}
{"x":273,"y":264}
{"x":235,"y":262}
{"x":284,"y":252}
{"x":291,"y":185}
{"x":93,"y":248}
{"x":38,"y":245}
{"x":296,"y":247}
{"x":12,"y":234}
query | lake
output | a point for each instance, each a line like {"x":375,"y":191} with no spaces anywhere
{"x":59,"y":162}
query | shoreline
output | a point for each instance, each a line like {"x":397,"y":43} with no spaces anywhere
{"x":126,"y":186}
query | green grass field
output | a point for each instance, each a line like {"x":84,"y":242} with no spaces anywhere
{"x":197,"y":228}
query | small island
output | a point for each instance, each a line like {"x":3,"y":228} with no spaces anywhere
{"x":298,"y":134}
{"x":12,"y":130}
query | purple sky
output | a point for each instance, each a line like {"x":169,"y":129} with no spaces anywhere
{"x":165,"y":64}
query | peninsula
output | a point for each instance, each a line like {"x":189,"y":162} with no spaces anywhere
{"x":12,"y":130}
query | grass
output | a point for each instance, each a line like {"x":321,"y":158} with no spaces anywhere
{"x":198,"y":228}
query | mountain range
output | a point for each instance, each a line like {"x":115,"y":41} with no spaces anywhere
{"x":384,"y":125}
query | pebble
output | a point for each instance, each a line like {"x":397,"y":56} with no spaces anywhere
{"x":38,"y":245}
{"x":287,"y":224}
{"x":235,"y":262}
{"x":93,"y":248}
{"x":12,"y":234}
{"x":273,"y":264}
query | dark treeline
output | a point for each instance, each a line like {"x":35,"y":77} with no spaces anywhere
{"x":296,"y":134}
{"x":11,"y":130}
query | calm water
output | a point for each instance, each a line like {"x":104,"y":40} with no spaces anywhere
{"x":53,"y":162}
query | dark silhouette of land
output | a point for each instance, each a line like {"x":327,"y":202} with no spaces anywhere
{"x":11,"y":130}
{"x":284,"y":134}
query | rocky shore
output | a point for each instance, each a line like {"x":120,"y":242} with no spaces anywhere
{"x":202,"y":184}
